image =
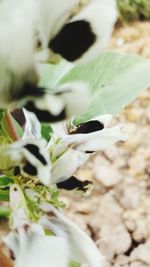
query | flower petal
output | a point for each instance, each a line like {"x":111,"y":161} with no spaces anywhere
{"x":83,"y":249}
{"x":33,"y":248}
{"x":48,"y":107}
{"x":18,"y":207}
{"x":32,"y":157}
{"x":32,"y":125}
{"x":74,"y":183}
{"x":87,"y":33}
{"x":71,"y":95}
{"x":96,"y":141}
{"x":66,"y":165}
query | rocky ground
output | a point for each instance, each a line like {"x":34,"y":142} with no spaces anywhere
{"x":117,"y":213}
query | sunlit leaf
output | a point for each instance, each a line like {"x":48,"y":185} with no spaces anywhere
{"x":115,"y":80}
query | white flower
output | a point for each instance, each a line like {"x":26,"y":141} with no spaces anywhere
{"x":70,"y":145}
{"x":86,"y":34}
{"x":61,"y":103}
{"x":32,"y":248}
{"x":93,"y":135}
{"x":19,"y":211}
{"x":82,"y":248}
{"x":66,"y":165}
{"x":28,"y":242}
{"x":31,"y":158}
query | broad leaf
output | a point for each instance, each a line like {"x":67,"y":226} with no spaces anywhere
{"x":115,"y":80}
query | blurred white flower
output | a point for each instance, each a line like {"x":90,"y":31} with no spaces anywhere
{"x":82,"y":248}
{"x":61,"y":103}
{"x":32,"y":248}
{"x":63,"y":243}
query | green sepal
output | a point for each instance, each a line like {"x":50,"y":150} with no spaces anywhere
{"x":46,"y":131}
{"x":5,"y":181}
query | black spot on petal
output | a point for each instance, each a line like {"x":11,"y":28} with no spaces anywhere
{"x":16,"y":170}
{"x":45,"y":115}
{"x":29,"y":90}
{"x":89,"y":127}
{"x":33,"y":149}
{"x":73,"y":40}
{"x":30,"y":169}
{"x":74,"y":183}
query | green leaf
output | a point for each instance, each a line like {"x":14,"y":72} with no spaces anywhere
{"x":74,"y":264}
{"x":4,"y":212}
{"x":46,"y":131}
{"x":5,"y":181}
{"x":51,"y":73}
{"x":4,"y":195}
{"x":115,"y":80}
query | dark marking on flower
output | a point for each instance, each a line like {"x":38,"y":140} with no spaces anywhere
{"x":29,"y":90}
{"x":89,"y":152}
{"x":26,"y":227}
{"x":51,"y":214}
{"x":15,"y":189}
{"x":73,"y":40}
{"x":33,"y":149}
{"x":30,"y":169}
{"x":45,"y":115}
{"x":89,"y":127}
{"x":74,"y":183}
{"x":12,"y":255}
{"x":17,"y":170}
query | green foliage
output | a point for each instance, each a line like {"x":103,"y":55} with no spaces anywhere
{"x":5,"y":183}
{"x":46,"y":131}
{"x":74,"y":264}
{"x":115,"y":80}
{"x":4,"y":194}
{"x":131,"y":10}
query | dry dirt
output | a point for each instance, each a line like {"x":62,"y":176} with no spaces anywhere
{"x":117,"y":213}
